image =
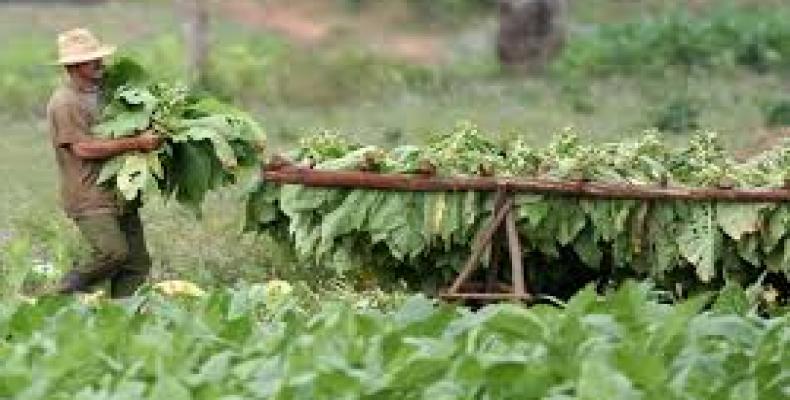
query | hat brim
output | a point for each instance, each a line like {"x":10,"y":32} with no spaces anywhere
{"x":104,"y":51}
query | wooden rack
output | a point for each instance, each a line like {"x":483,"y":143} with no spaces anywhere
{"x":503,"y":221}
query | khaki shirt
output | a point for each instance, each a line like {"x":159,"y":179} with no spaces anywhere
{"x":71,"y":114}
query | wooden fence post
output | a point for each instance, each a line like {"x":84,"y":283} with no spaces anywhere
{"x":194,"y":15}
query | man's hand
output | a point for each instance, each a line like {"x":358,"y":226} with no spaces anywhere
{"x":100,"y":149}
{"x":148,"y":141}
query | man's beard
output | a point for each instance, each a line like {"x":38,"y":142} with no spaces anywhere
{"x":98,"y":78}
{"x":96,"y":81}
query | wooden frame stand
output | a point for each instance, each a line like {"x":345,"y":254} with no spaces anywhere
{"x":503,"y":223}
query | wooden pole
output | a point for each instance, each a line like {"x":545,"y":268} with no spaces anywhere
{"x":402,"y":182}
{"x":514,"y":245}
{"x":194,"y":16}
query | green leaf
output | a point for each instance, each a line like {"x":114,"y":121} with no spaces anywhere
{"x":698,"y":241}
{"x":598,"y":380}
{"x":348,"y":217}
{"x":137,"y":96}
{"x":748,"y":249}
{"x":662,"y":235}
{"x":670,"y":332}
{"x":779,"y":259}
{"x":408,"y":239}
{"x":570,"y":220}
{"x":745,"y":390}
{"x":600,"y":214}
{"x":532,"y":208}
{"x":225,"y":153}
{"x":215,"y":369}
{"x":295,"y":199}
{"x":588,"y":249}
{"x":778,"y":224}
{"x":386,"y":216}
{"x":192,"y":171}
{"x":452,"y":223}
{"x":129,"y":390}
{"x":127,"y":123}
{"x":737,"y":220}
{"x":201,"y":130}
{"x":306,"y":238}
{"x":354,"y":160}
{"x":471,"y":210}
{"x":261,"y":207}
{"x":206,"y":140}
{"x":168,"y":388}
{"x":732,"y":299}
{"x":122,"y":71}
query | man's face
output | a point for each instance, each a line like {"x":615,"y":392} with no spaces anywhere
{"x":91,"y":71}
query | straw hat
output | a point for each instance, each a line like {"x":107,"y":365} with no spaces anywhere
{"x":79,"y":45}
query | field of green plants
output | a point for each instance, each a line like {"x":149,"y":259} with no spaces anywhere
{"x":260,"y":342}
{"x":279,"y":291}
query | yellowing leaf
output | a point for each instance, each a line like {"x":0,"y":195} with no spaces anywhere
{"x":440,"y":203}
{"x":697,"y":241}
{"x":737,"y":220}
{"x":155,"y":165}
{"x":91,"y":298}
{"x":277,"y":291}
{"x":176,"y":288}
{"x":133,"y":176}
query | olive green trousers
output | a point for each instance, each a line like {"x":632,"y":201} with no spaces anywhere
{"x":119,"y":255}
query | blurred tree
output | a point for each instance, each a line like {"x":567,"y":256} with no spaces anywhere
{"x":531,"y":32}
{"x":194,"y":16}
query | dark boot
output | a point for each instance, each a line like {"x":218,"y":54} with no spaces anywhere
{"x":73,"y":282}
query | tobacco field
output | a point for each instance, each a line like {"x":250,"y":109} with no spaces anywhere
{"x":260,"y":342}
{"x":265,"y":287}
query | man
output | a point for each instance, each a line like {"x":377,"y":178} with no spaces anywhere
{"x":112,"y":228}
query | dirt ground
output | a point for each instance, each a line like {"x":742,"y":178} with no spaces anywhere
{"x":765,"y":139}
{"x":308,"y":24}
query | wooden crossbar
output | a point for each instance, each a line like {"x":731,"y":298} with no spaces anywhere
{"x":428,"y":183}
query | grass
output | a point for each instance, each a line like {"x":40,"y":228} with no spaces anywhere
{"x":731,"y":104}
{"x":608,"y":11}
{"x":213,"y":249}
{"x":29,"y":165}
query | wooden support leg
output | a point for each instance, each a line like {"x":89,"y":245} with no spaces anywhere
{"x":503,"y":222}
{"x":492,"y":278}
{"x":515,"y":254}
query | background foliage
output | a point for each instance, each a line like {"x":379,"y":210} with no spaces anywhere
{"x":357,"y":82}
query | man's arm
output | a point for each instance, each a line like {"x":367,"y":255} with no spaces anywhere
{"x":99,"y":149}
{"x":70,"y":130}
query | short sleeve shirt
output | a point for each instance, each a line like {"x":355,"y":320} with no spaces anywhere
{"x":71,"y":113}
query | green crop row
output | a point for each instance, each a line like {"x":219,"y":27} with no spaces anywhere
{"x":257,"y":343}
{"x":726,"y":37}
